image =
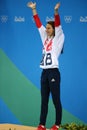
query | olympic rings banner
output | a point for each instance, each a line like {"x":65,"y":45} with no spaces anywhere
{"x":20,"y":55}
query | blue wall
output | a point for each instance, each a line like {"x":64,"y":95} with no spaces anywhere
{"x":20,"y":41}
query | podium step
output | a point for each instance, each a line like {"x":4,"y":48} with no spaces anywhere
{"x":16,"y":127}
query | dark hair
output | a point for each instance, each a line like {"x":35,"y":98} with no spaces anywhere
{"x":62,"y":50}
{"x":51,"y":23}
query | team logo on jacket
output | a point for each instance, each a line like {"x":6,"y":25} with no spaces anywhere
{"x":48,"y":45}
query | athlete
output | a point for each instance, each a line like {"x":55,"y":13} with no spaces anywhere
{"x":52,"y":37}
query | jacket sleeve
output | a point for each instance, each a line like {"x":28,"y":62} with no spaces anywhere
{"x":59,"y":35}
{"x":57,"y":20}
{"x":37,"y":21}
{"x":41,"y":28}
{"x":58,"y":28}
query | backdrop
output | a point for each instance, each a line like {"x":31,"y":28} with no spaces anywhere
{"x":20,"y":55}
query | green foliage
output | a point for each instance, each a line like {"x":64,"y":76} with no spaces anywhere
{"x":74,"y":126}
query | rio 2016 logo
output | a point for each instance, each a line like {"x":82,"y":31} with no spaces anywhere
{"x":4,"y":18}
{"x":68,"y":19}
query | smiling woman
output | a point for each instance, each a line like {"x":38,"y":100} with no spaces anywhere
{"x":50,"y":29}
{"x":20,"y":54}
{"x":52,"y":39}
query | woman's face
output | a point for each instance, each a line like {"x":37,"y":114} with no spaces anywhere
{"x":49,"y":30}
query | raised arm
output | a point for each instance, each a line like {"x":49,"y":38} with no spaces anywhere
{"x":58,"y":30}
{"x":39,"y":25}
{"x":33,"y":7}
{"x":35,"y":15}
{"x":56,"y":8}
{"x":57,"y":18}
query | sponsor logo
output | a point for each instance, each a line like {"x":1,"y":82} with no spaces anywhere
{"x":68,"y":19}
{"x":19,"y":19}
{"x":49,"y":19}
{"x":83,"y":19}
{"x":52,"y":80}
{"x":4,"y":18}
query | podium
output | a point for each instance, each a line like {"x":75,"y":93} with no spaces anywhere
{"x":16,"y":127}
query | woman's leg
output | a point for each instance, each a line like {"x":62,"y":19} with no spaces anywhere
{"x":54,"y":83}
{"x":44,"y":97}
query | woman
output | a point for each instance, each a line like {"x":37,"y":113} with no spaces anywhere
{"x":52,"y":38}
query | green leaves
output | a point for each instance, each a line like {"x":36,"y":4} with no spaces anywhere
{"x":74,"y":126}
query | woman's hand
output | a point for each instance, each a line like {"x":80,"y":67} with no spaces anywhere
{"x":57,"y":6}
{"x":31,"y":5}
